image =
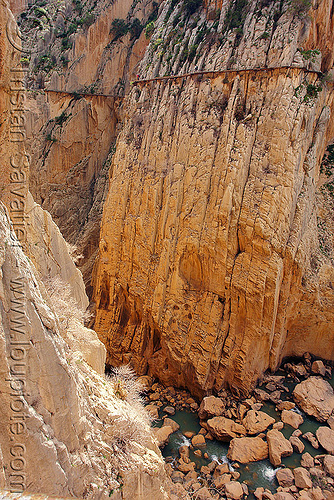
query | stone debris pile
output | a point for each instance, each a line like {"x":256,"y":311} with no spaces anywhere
{"x":253,"y":435}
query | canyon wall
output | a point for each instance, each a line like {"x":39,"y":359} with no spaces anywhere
{"x":63,"y":431}
{"x":70,"y":420}
{"x":216,"y":248}
{"x":71,"y":132}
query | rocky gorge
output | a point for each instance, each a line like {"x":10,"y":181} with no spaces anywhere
{"x":177,"y":219}
{"x":265,"y":428}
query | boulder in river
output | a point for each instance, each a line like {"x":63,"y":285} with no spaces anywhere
{"x":221,"y":469}
{"x":257,"y":421}
{"x":184,"y":453}
{"x":170,"y":410}
{"x":278,"y":425}
{"x":315,"y":397}
{"x":297,"y":444}
{"x":318,"y":368}
{"x":325,"y":436}
{"x":285,"y":405}
{"x":285,"y":477}
{"x":234,"y":490}
{"x":283,"y":495}
{"x":203,"y":494}
{"x":299,"y":370}
{"x":329,"y":464}
{"x":225,"y":429}
{"x":211,"y":407}
{"x":162,"y":435}
{"x":153,"y":411}
{"x":247,"y":449}
{"x":198,"y":440}
{"x":292,"y":418}
{"x":259,"y":492}
{"x":145,"y":380}
{"x":275,"y":396}
{"x":307,"y":460}
{"x":278,"y":447}
{"x":330,"y":422}
{"x":312,"y":439}
{"x":220,"y":481}
{"x":302,"y":478}
{"x":174,"y":425}
{"x":261,"y":394}
{"x":186,"y":466}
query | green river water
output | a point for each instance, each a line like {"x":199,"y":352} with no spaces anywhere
{"x":255,"y":474}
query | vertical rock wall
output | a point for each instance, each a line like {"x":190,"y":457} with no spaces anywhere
{"x":70,"y":136}
{"x":206,"y":271}
{"x":63,"y":430}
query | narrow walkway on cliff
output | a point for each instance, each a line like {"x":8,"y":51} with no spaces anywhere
{"x":215,"y":73}
{"x":207,"y":73}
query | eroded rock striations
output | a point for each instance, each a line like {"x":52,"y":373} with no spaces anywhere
{"x":64,"y":428}
{"x":212,"y":265}
{"x":77,"y":79}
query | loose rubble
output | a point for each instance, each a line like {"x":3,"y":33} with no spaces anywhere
{"x":252,"y":435}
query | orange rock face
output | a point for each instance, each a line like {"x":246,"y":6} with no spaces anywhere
{"x":70,"y":137}
{"x":14,"y":160}
{"x":210,"y":269}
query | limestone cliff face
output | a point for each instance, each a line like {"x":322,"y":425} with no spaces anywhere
{"x":63,"y":430}
{"x":73,"y":422}
{"x":211,"y":266}
{"x":70,"y":136}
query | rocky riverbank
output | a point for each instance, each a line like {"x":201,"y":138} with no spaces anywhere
{"x":265,"y":426}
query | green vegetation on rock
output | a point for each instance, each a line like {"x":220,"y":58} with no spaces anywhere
{"x":120,"y":28}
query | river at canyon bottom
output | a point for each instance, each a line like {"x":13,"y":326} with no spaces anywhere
{"x":255,"y":474}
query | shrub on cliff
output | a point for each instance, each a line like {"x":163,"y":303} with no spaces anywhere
{"x":135,"y":28}
{"x":300,"y":7}
{"x":149,"y":29}
{"x":63,"y":302}
{"x":119,"y":28}
{"x":236,"y":15}
{"x":133,"y":424}
{"x":126,"y":385}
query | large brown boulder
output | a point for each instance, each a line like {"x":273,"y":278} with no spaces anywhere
{"x":211,"y":407}
{"x":198,"y":440}
{"x":278,"y":447}
{"x":292,"y":418}
{"x":257,"y":421}
{"x":318,"y":367}
{"x":325,"y":436}
{"x":302,"y":478}
{"x":297,"y":444}
{"x":225,"y":429}
{"x":283,"y":495}
{"x":171,"y":423}
{"x":307,"y":460}
{"x":285,"y":477}
{"x":162,"y":435}
{"x":315,"y":397}
{"x":233,"y":490}
{"x":203,"y":494}
{"x":329,"y":465}
{"x":247,"y":449}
